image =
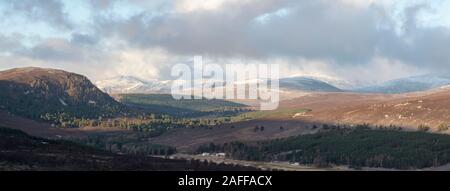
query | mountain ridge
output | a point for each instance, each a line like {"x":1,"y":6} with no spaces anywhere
{"x":408,"y":84}
{"x":133,"y":85}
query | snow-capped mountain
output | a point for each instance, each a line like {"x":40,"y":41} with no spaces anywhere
{"x":410,"y":84}
{"x":307,"y":84}
{"x":130,"y":84}
{"x":336,"y":82}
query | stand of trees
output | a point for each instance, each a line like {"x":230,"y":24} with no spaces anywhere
{"x":141,"y":122}
{"x":135,"y":144}
{"x":355,"y":147}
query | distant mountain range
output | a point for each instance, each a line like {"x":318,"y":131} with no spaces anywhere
{"x":410,"y":84}
{"x":130,"y":84}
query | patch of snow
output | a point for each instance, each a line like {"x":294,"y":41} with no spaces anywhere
{"x":402,"y":104}
{"x":220,"y":154}
{"x":205,"y":154}
{"x":130,"y":84}
{"x":409,"y":84}
{"x":62,"y":102}
{"x":301,"y":114}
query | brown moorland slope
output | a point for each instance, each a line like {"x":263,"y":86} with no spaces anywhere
{"x":430,"y":108}
{"x":408,"y":111}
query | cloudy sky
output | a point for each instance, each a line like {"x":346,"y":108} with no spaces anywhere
{"x":354,"y":40}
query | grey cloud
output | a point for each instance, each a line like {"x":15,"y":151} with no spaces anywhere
{"x":101,"y":4}
{"x":321,"y":31}
{"x":10,"y":43}
{"x":79,"y":49}
{"x":338,"y":32}
{"x":427,"y":48}
{"x":54,"y":50}
{"x":50,"y":11}
{"x":84,"y":39}
{"x":312,"y":29}
{"x":421,"y":46}
{"x":222,"y":32}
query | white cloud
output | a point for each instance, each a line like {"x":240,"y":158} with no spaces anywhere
{"x":144,"y":64}
{"x":187,"y":6}
{"x":366,"y":3}
{"x":264,"y":18}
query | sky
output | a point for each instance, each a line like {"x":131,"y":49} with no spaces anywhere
{"x":359,"y":41}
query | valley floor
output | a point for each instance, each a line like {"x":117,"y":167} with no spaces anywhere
{"x":283,"y":166}
{"x":296,"y":116}
{"x":289,"y":166}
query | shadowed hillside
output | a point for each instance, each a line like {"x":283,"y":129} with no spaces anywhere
{"x":50,"y":94}
{"x":23,"y":152}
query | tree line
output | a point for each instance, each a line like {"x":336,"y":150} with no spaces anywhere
{"x":355,"y":147}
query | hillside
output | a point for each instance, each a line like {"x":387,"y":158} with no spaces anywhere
{"x":405,"y":110}
{"x":306,"y":114}
{"x":307,"y":84}
{"x":47,"y":94}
